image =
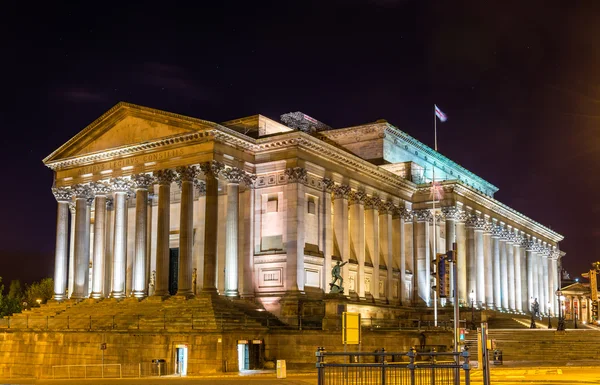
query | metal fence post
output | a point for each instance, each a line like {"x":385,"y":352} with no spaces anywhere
{"x":411,"y":365}
{"x":47,"y":323}
{"x":383,"y":366}
{"x":68,"y":322}
{"x":27,"y":322}
{"x":466,"y":365}
{"x":90,"y":322}
{"x":320,"y":365}
{"x":138,"y":322}
{"x":433,"y":358}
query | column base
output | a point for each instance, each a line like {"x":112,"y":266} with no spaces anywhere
{"x":139,"y":294}
{"x":59,"y":297}
{"x":117,"y":295}
{"x":96,"y":295}
{"x":232,"y":293}
{"x":188,"y":293}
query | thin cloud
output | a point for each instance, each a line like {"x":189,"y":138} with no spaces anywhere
{"x":80,"y":95}
{"x":169,"y":77}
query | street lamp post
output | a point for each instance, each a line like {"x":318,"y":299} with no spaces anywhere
{"x":549,"y":319}
{"x":561,"y":318}
{"x":472,"y":297}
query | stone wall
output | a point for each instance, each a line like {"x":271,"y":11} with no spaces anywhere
{"x":32,"y":353}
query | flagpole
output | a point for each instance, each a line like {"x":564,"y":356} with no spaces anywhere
{"x":435,"y":313}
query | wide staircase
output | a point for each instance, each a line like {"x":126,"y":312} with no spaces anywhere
{"x":205,"y":312}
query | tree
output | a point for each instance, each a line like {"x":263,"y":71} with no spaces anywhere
{"x":8,"y":304}
{"x":42,"y":290}
{"x":15,"y":290}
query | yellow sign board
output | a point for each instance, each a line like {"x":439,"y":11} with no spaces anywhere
{"x":350,"y":328}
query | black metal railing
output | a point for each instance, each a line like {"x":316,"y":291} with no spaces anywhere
{"x":392,"y":368}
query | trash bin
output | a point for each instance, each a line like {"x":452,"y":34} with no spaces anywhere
{"x":281,"y":372}
{"x":158,"y":367}
{"x":497,"y":357}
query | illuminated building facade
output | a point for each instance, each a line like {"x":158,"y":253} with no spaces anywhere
{"x":152,"y":203}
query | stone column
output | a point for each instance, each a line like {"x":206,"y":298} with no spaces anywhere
{"x":357,"y":237}
{"x":141,"y":184}
{"x":480,"y":270}
{"x":71,"y":278}
{"x":470,"y":226}
{"x":386,"y":210}
{"x":404,"y":216}
{"x":233,"y":176}
{"x":530,"y":255}
{"x":164,"y":179}
{"x":81,"y":272}
{"x":101,"y":191}
{"x":423,"y":268}
{"x":545,"y":277}
{"x":201,"y":229}
{"x":461,"y":240}
{"x":296,"y":206}
{"x":504,"y":269}
{"x":524,"y":285}
{"x":552,"y":281}
{"x":372,"y":241}
{"x":185,"y":177}
{"x":81,"y":194}
{"x":108,"y":246}
{"x":540,"y":277}
{"x":63,"y":196}
{"x":517,"y":259}
{"x":327,"y":226}
{"x":488,"y":263}
{"x":247,"y":230}
{"x":496,"y":233}
{"x":341,"y":240}
{"x":451,"y":215}
{"x":510,"y":259}
{"x":88,"y":219}
{"x":122,"y":191}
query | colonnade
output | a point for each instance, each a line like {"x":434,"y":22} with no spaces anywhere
{"x":110,"y":233}
{"x":501,"y":267}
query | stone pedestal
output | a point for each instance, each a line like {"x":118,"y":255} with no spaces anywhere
{"x":335,"y":305}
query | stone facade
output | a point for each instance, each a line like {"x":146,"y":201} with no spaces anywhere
{"x":163,"y":204}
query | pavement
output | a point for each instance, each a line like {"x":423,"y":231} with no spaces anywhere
{"x":538,"y":372}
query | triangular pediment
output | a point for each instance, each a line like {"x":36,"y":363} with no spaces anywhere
{"x":125,"y":125}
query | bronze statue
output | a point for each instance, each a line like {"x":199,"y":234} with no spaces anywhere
{"x":335,"y":276}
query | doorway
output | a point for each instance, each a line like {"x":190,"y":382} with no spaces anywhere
{"x":249,"y":354}
{"x":181,"y":355}
{"x":173,"y":270}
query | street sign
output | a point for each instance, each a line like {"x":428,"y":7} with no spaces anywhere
{"x":351,"y":328}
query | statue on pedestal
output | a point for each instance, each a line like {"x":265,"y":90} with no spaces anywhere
{"x":335,"y":276}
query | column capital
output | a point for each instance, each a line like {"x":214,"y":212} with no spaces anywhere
{"x":452,"y":213}
{"x":422,"y":215}
{"x":403,"y":213}
{"x":100,"y":188}
{"x":62,"y":194}
{"x":496,"y":230}
{"x":249,"y":179}
{"x":214,"y":168}
{"x":120,"y":184}
{"x":356,"y":197}
{"x":165,"y":177}
{"x":142,"y":181}
{"x":475,"y":221}
{"x":233,"y":175}
{"x":296,"y":175}
{"x":200,"y":185}
{"x":110,"y":204}
{"x":81,"y":191}
{"x":341,"y":191}
{"x":186,"y":173}
{"x":327,"y":185}
{"x":372,"y":202}
{"x":386,"y":207}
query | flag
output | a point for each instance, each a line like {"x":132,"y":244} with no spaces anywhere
{"x":440,"y":114}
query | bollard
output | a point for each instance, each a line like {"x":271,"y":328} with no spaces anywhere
{"x":383,"y":366}
{"x":433,"y":359}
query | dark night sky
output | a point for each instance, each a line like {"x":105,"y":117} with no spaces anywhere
{"x":519,"y":83}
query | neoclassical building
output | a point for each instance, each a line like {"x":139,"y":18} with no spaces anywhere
{"x":152,"y":203}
